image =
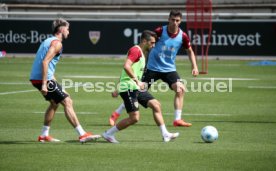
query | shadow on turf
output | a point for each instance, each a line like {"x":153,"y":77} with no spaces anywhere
{"x":35,"y":142}
{"x":201,"y":142}
{"x":138,"y":124}
{"x":170,"y":125}
{"x":18,"y":142}
{"x":102,"y":141}
{"x":89,"y":142}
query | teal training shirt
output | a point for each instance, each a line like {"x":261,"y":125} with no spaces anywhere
{"x":36,"y":73}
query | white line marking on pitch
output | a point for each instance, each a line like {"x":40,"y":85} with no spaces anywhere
{"x":89,"y":76}
{"x":200,"y":114}
{"x":226,"y":79}
{"x":263,"y":87}
{"x":15,"y":83}
{"x":81,"y":113}
{"x":15,"y":92}
{"x":89,"y":63}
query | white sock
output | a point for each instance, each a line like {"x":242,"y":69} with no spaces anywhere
{"x":80,"y":130}
{"x":112,"y":130}
{"x":45,"y":131}
{"x":163,"y":130}
{"x":177,"y":114}
{"x":120,"y":109}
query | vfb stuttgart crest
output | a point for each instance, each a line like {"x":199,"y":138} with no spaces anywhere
{"x":94,"y":36}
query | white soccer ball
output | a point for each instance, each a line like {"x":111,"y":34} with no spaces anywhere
{"x":209,"y":134}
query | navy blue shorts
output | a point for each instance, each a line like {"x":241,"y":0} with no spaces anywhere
{"x":133,"y":98}
{"x":54,"y":91}
{"x":168,"y":77}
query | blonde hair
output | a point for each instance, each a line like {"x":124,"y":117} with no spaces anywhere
{"x":59,"y":23}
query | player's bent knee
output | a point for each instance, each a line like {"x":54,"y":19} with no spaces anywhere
{"x":134,"y":118}
{"x":67,"y":101}
{"x":179,"y":88}
{"x":133,"y":121}
{"x":154,"y":104}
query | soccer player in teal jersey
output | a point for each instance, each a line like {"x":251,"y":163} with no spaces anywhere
{"x":42,"y":77}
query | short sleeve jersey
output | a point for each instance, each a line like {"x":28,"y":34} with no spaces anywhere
{"x":136,"y":55}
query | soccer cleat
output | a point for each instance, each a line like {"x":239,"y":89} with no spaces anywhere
{"x":110,"y":138}
{"x":88,"y":137}
{"x":181,"y":122}
{"x":47,"y":139}
{"x":113,"y":118}
{"x":170,"y":136}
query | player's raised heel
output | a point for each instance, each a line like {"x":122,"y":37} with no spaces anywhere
{"x":181,"y":122}
{"x":47,"y":139}
{"x":110,"y":138}
{"x":113,"y":118}
{"x":88,"y":136}
{"x":170,"y":136}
